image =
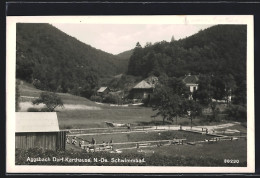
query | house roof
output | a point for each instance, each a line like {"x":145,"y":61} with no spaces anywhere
{"x":102,"y":89}
{"x":191,"y":79}
{"x":36,"y":122}
{"x":143,"y":84}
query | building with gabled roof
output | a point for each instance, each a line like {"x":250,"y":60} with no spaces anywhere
{"x":144,"y":89}
{"x":191,"y":81}
{"x":143,"y":85}
{"x":38,"y":130}
{"x":103,"y":91}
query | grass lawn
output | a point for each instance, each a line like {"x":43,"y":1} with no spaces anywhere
{"x":28,"y":90}
{"x":97,"y":118}
{"x":220,"y":150}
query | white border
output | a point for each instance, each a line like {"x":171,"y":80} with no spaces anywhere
{"x":10,"y":91}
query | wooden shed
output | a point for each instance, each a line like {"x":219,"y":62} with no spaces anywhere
{"x":38,"y":129}
{"x":103,"y":91}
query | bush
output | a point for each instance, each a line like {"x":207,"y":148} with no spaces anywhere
{"x":33,"y":110}
{"x":50,"y":100}
{"x":44,"y":110}
{"x":146,"y":101}
{"x":96,"y":98}
{"x":213,"y":118}
{"x":113,"y":99}
{"x":237,"y":113}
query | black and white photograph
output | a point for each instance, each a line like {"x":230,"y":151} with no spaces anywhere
{"x":130,"y":94}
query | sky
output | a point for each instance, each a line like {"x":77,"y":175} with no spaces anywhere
{"x":117,"y":38}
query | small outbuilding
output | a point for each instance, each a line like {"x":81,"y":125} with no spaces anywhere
{"x":38,"y":130}
{"x":103,"y":91}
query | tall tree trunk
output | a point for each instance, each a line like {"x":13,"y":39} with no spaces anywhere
{"x":191,"y":122}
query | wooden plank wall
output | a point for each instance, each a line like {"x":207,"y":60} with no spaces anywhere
{"x":61,"y":140}
{"x":45,"y":140}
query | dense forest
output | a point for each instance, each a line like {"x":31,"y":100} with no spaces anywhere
{"x":219,"y":49}
{"x":218,"y":53}
{"x":55,"y":61}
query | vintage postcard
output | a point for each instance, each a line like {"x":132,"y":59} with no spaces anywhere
{"x":130,"y":94}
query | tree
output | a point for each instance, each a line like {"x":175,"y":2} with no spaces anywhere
{"x":240,"y":93}
{"x":168,"y":105}
{"x":205,"y":90}
{"x":172,"y":39}
{"x":50,"y":99}
{"x":193,"y":109}
{"x":230,"y":86}
{"x":138,"y":45}
{"x":218,"y":87}
{"x":168,"y":99}
{"x":135,"y":66}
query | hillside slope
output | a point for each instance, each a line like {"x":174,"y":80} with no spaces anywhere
{"x":217,"y":50}
{"x":56,"y":61}
{"x":126,"y":54}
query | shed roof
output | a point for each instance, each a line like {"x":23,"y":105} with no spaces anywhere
{"x":191,"y":79}
{"x":102,"y":89}
{"x":143,"y":84}
{"x":36,"y":122}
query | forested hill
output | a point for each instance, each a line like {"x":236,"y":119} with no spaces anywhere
{"x":126,"y":54}
{"x":217,"y":50}
{"x":55,"y":61}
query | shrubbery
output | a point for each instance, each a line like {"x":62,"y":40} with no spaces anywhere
{"x":113,"y":99}
{"x":96,"y":98}
{"x":33,"y":110}
{"x":38,"y":110}
{"x":237,"y":112}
